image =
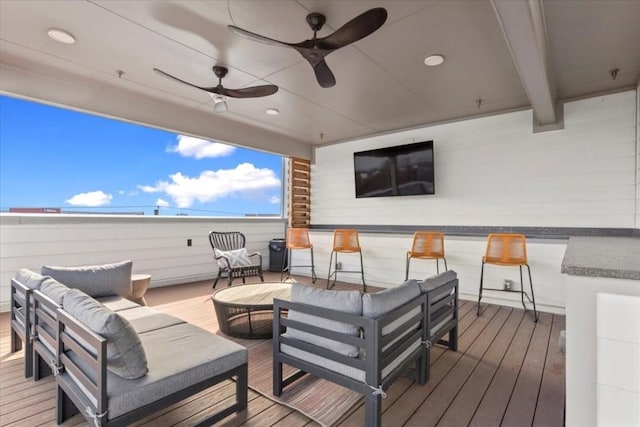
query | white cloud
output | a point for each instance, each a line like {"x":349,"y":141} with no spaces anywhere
{"x":92,"y":198}
{"x":189,"y":146}
{"x":245,"y":180}
{"x":274,"y":200}
{"x":162,"y":203}
{"x":121,"y":192}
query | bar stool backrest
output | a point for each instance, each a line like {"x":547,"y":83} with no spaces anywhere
{"x":298,"y":238}
{"x":346,"y":240}
{"x":506,"y":249}
{"x":427,"y":244}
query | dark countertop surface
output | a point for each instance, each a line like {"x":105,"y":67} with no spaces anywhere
{"x":617,"y":257}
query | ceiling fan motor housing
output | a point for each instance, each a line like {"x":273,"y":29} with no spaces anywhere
{"x":316,"y":21}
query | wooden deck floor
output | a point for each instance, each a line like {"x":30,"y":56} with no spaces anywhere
{"x":507,"y":371}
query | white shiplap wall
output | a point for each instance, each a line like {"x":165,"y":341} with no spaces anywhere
{"x":157,"y":245}
{"x":494,"y":171}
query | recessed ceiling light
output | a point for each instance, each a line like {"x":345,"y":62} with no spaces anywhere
{"x":272,"y":111}
{"x":433,"y":60}
{"x":61,"y":36}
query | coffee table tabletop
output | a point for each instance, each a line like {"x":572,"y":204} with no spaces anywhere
{"x":254,"y":295}
{"x":246,"y":311}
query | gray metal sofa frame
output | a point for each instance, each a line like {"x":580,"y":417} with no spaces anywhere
{"x":443,"y":315}
{"x":21,"y":320}
{"x":45,"y":339}
{"x":82,"y":355}
{"x":371,"y":343}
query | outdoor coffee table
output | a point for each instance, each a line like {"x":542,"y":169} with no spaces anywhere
{"x":246,"y":311}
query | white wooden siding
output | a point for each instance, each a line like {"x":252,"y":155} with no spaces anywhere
{"x":157,"y":245}
{"x":494,"y":171}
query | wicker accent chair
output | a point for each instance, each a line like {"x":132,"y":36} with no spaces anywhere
{"x":232,"y":257}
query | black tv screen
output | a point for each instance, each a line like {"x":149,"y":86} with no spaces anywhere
{"x":404,"y":170}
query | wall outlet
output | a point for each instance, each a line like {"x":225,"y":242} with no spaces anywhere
{"x":338,"y":266}
{"x":507,"y":285}
{"x":188,"y":242}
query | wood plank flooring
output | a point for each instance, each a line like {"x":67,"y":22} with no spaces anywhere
{"x":507,"y":371}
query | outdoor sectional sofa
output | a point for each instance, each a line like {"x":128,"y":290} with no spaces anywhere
{"x":114,"y":360}
{"x":364,"y":341}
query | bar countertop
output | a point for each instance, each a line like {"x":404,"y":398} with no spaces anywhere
{"x":615,"y":257}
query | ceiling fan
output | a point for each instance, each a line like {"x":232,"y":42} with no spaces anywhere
{"x":315,"y":49}
{"x":219,"y":92}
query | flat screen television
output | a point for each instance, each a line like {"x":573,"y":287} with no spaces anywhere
{"x":404,"y":170}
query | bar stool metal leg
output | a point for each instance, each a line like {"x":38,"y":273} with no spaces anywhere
{"x":536,"y":315}
{"x":313,"y":268}
{"x":480,"y":292}
{"x":335,"y":270}
{"x":364,"y":285}
{"x":284,"y":258}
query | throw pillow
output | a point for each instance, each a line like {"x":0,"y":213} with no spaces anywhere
{"x":125,"y":354}
{"x":344,"y":301}
{"x":236,"y":258}
{"x":95,"y":280}
{"x":29,"y":278}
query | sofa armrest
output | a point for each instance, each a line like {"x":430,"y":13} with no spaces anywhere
{"x":83,"y":354}
{"x":21,"y":305}
{"x":443,"y":312}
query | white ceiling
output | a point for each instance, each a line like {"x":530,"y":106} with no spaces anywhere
{"x":510,"y":54}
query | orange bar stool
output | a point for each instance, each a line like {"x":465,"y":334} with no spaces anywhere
{"x":427,"y":245}
{"x":345,"y":241}
{"x":508,"y":250}
{"x":297,"y":238}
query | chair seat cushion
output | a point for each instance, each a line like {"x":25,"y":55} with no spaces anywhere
{"x":179,"y":356}
{"x":117,"y":303}
{"x":146,"y":319}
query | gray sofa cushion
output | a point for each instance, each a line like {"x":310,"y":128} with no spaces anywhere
{"x":29,"y":278}
{"x":95,"y":280}
{"x":117,"y":303}
{"x":344,"y":301}
{"x":125,"y":354}
{"x":380,"y":303}
{"x":179,"y":356}
{"x":54,"y":290}
{"x":430,"y":284}
{"x":146,"y":319}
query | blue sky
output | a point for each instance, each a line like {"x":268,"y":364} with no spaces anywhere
{"x":51,"y":157}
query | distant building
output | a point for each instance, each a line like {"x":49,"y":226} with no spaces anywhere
{"x":36,"y":210}
{"x":60,"y":211}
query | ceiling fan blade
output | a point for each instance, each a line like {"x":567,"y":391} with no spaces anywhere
{"x":249,"y":92}
{"x":257,"y":37}
{"x":208,"y":89}
{"x":358,"y":28}
{"x":324,"y":75}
